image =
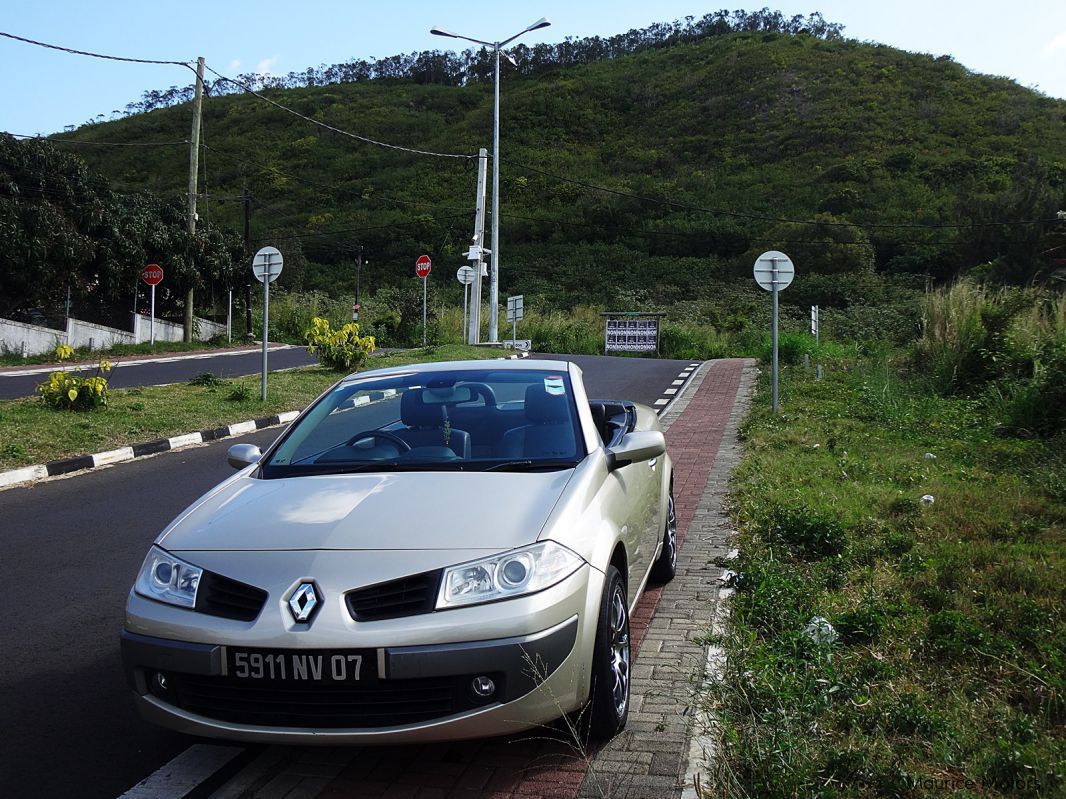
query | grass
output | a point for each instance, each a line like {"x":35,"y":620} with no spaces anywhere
{"x":32,"y":432}
{"x":949,"y":673}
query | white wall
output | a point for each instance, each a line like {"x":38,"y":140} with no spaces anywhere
{"x":36,"y":339}
{"x":85,"y":334}
{"x":42,"y":340}
{"x":168,"y":331}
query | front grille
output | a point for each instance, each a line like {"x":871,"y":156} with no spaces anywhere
{"x":407,"y":596}
{"x":221,"y":596}
{"x":377,"y":703}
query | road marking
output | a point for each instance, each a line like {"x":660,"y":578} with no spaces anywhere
{"x":661,"y":401}
{"x":178,"y":777}
{"x":680,"y":382}
{"x":670,"y":391}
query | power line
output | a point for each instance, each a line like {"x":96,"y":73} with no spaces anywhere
{"x":95,"y":55}
{"x":763,"y":218}
{"x":349,"y":134}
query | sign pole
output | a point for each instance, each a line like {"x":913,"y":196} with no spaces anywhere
{"x":266,"y":312}
{"x":773,"y":323}
{"x":466,"y":294}
{"x":153,"y":314}
{"x":424,"y":311}
{"x":263,"y":267}
{"x":777,"y":278}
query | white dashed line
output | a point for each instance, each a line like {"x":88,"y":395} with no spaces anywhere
{"x":183,"y":773}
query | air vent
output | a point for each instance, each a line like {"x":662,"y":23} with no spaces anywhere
{"x":221,"y":596}
{"x":407,"y":596}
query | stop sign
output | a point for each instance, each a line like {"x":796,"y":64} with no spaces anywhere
{"x":152,"y":274}
{"x":423,"y":266}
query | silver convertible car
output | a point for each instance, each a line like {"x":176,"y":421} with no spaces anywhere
{"x":429,"y":552}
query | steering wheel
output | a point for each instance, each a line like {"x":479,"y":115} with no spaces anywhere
{"x":401,"y":445}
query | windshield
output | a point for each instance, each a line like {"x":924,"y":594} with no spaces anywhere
{"x":505,"y":420}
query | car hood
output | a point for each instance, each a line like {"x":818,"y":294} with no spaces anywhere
{"x":392,"y":511}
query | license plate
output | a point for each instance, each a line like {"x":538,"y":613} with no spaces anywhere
{"x":302,"y":666}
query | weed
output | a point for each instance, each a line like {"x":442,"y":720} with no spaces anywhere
{"x":209,"y":379}
{"x":242,"y":392}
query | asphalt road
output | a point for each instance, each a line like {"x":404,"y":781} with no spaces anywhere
{"x":70,"y":549}
{"x":178,"y":370}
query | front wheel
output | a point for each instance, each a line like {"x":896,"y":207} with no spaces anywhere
{"x":611,"y":661}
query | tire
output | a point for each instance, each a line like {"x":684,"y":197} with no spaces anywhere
{"x":664,"y":569}
{"x":611,"y":659}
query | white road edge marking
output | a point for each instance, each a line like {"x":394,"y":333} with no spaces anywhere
{"x":85,"y":367}
{"x":183,"y":773}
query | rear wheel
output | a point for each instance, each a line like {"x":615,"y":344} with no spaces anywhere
{"x":611,"y":661}
{"x":664,"y":569}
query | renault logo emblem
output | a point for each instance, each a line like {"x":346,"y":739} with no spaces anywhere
{"x":304,"y":602}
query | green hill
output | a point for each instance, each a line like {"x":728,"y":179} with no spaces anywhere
{"x":704,"y":146}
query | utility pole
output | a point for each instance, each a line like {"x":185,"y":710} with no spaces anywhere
{"x":478,"y":249}
{"x":247,"y":200}
{"x":194,"y":164}
{"x":494,"y":272}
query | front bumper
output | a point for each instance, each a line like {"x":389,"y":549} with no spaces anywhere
{"x":419,"y":693}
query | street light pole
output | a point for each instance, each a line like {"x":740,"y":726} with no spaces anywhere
{"x":494,"y":273}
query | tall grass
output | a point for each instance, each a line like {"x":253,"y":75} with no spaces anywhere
{"x":1007,"y":346}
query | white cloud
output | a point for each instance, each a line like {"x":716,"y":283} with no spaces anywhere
{"x":234,"y":65}
{"x":1058,"y":43}
{"x":263,"y":67}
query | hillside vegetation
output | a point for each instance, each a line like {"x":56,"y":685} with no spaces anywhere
{"x":705,"y":142}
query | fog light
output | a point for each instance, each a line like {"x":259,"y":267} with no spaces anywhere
{"x":161,"y":680}
{"x":483,"y":687}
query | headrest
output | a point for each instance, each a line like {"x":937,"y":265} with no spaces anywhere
{"x":414,"y":412}
{"x":545,"y":408}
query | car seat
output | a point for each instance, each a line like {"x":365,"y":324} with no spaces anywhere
{"x":426,"y":425}
{"x":550,"y":432}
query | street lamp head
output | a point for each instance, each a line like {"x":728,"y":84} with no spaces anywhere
{"x":543,"y":22}
{"x":437,"y":31}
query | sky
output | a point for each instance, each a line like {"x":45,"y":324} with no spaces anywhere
{"x":46,"y":90}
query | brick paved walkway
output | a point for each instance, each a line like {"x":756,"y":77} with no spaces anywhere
{"x":648,"y":760}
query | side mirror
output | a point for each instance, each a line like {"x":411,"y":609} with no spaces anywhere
{"x":636,"y":447}
{"x":241,"y":455}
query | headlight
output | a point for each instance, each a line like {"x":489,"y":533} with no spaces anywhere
{"x":520,"y":571}
{"x":166,"y":578}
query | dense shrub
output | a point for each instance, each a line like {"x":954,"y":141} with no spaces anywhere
{"x":342,"y":349}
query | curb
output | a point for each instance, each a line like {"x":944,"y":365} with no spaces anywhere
{"x":31,"y":474}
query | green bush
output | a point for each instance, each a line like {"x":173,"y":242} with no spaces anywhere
{"x":343,"y":349}
{"x":73,"y":392}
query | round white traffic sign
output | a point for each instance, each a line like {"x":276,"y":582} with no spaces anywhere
{"x":774,"y":269}
{"x":267,"y":261}
{"x":465,"y":275}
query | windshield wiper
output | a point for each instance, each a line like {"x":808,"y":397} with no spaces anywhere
{"x":529,"y":466}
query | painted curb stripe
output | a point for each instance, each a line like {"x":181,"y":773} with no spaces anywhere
{"x":68,"y":465}
{"x":152,"y":447}
{"x":113,"y":456}
{"x":186,"y":440}
{"x":288,"y":416}
{"x":25,"y":474}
